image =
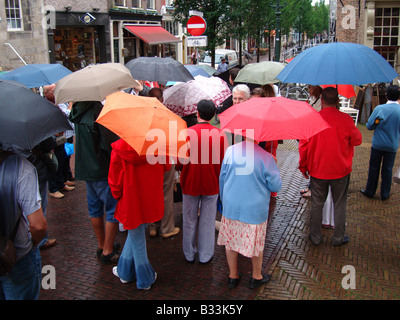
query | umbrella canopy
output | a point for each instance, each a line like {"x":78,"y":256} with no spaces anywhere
{"x":275,"y":118}
{"x":196,"y":71}
{"x":345,"y":90}
{"x":182,"y":98}
{"x":210,"y":70}
{"x":338,"y":63}
{"x":145,"y":124}
{"x":37,"y":75}
{"x":158,"y":69}
{"x":260,"y":73}
{"x":26,"y":118}
{"x":94,"y":83}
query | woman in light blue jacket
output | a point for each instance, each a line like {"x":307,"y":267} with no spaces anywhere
{"x":248,"y":176}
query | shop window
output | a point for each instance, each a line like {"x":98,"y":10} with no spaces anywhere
{"x":14,"y":15}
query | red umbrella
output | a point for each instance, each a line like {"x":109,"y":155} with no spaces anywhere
{"x":345,"y":90}
{"x":275,"y":118}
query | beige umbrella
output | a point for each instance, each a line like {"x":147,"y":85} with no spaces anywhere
{"x":94,"y":83}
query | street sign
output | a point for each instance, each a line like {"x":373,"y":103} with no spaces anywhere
{"x":196,"y":25}
{"x":200,"y":41}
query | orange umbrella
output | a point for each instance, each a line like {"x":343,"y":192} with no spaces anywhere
{"x":345,"y":90}
{"x":145,"y":124}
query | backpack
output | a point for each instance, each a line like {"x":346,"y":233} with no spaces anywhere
{"x":8,"y":254}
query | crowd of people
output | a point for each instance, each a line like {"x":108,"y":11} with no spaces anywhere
{"x":119,"y":181}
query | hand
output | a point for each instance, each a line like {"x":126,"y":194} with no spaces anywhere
{"x":305,"y":175}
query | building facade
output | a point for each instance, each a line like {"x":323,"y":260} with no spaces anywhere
{"x":23,"y":38}
{"x":78,"y":33}
{"x":372,"y":23}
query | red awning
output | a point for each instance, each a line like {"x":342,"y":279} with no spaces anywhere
{"x":152,"y":34}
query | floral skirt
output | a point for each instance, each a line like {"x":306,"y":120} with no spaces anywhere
{"x":246,"y":239}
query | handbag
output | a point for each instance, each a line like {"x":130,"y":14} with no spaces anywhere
{"x":396,"y":176}
{"x":51,"y":161}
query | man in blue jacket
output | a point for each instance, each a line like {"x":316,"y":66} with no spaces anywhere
{"x":385,"y":120}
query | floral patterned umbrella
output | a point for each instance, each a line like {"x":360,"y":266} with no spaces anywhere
{"x":182,"y":98}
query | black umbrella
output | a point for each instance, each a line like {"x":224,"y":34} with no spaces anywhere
{"x":158,"y":69}
{"x":26,"y":118}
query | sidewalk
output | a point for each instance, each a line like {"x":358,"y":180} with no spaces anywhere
{"x":298,"y":269}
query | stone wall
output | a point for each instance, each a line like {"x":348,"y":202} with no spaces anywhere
{"x":79,"y":5}
{"x":30,"y":43}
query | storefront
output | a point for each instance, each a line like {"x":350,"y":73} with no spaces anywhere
{"x":140,"y":35}
{"x":79,"y":39}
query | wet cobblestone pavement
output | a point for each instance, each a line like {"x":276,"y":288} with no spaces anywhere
{"x":298,"y":269}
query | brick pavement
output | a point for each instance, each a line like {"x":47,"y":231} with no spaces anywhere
{"x":298,"y":269}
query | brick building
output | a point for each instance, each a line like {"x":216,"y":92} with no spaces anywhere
{"x":372,"y":23}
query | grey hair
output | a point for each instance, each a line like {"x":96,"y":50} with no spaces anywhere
{"x":243,"y":88}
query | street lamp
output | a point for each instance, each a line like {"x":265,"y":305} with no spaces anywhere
{"x":278,"y":31}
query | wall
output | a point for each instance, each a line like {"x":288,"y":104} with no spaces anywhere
{"x":350,"y":21}
{"x":31,"y":43}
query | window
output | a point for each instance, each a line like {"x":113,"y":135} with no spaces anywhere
{"x":14,"y":15}
{"x":120,"y":3}
{"x":171,"y":27}
{"x":151,"y":4}
{"x":386,"y":33}
{"x":136,"y":4}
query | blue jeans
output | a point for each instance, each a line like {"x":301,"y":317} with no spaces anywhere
{"x":24,"y":280}
{"x":377,"y":158}
{"x":133,"y":263}
{"x":99,"y":198}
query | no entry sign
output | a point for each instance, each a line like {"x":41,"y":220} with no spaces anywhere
{"x":196,"y":25}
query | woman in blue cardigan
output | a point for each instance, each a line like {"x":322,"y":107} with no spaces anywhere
{"x":248,"y":176}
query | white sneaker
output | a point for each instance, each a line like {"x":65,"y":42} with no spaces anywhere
{"x":115,"y":273}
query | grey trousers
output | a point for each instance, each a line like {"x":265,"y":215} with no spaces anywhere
{"x":319,"y":191}
{"x":203,"y":224}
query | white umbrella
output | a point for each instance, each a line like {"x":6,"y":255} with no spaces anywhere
{"x":182,"y":98}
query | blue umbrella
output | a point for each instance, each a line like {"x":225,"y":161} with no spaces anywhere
{"x":196,"y":71}
{"x":338,"y":63}
{"x":37,"y":75}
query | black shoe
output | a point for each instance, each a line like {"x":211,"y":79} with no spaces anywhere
{"x":365,"y":193}
{"x":232,"y":283}
{"x":345,"y":240}
{"x":384,"y":198}
{"x":255,"y":283}
{"x":116,"y":247}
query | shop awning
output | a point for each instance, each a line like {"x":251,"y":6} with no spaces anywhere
{"x":152,"y":34}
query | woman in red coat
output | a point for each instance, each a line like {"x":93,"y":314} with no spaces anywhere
{"x":138,"y":187}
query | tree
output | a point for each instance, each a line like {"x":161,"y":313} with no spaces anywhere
{"x":215,"y":12}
